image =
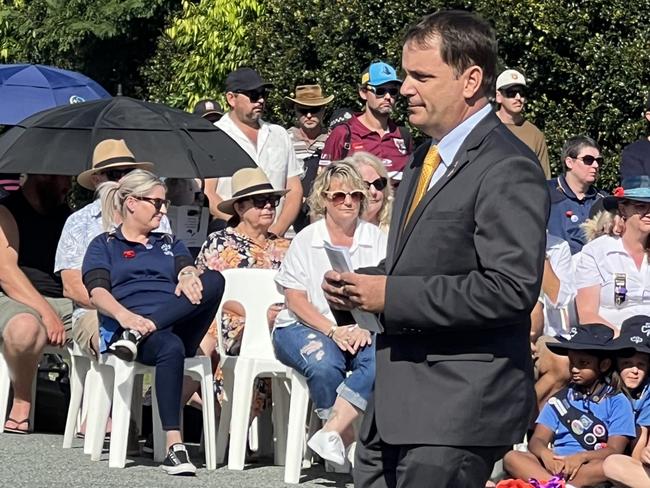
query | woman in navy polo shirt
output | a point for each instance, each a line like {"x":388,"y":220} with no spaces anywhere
{"x":154,"y":304}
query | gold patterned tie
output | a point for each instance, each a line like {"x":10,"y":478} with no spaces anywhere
{"x":429,"y":166}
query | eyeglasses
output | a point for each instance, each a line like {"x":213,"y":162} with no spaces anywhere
{"x":380,"y":91}
{"x":338,"y":197}
{"x":513,"y":91}
{"x":156,"y":202}
{"x":116,"y":174}
{"x":309,"y":110}
{"x":379,"y":184}
{"x":589,"y":160}
{"x":254,"y":95}
{"x":261,"y":201}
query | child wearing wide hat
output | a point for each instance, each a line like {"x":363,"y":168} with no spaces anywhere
{"x":587,"y":421}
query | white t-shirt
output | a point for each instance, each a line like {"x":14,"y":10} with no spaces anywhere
{"x":274,"y":153}
{"x":559,"y":254}
{"x":306,"y":262}
{"x":599,"y":261}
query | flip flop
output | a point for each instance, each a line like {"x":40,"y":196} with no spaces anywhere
{"x":16,"y":430}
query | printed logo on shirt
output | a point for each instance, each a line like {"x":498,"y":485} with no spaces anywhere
{"x":167,"y":250}
{"x":400,"y":145}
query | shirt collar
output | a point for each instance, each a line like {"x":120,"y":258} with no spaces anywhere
{"x":449,"y":145}
{"x":361,"y":236}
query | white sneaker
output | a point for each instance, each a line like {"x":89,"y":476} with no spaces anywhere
{"x":329,"y":446}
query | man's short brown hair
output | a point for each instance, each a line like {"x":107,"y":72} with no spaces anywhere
{"x":465,"y":40}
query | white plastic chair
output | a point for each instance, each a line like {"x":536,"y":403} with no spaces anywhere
{"x":5,"y":385}
{"x":256,"y":291}
{"x":116,"y":382}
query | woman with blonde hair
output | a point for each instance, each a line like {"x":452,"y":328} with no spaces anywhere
{"x":380,"y":199}
{"x":306,"y":336}
{"x":153,"y":304}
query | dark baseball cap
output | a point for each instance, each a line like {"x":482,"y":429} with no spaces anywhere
{"x":245,"y":79}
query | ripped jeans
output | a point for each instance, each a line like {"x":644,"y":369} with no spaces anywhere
{"x":317,"y":357}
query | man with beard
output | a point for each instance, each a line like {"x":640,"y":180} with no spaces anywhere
{"x":269,"y":145}
{"x":33,"y":311}
{"x":373,"y":131}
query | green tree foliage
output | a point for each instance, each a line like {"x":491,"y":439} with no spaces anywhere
{"x":209,"y":39}
{"x":105,"y":39}
{"x":587,"y":61}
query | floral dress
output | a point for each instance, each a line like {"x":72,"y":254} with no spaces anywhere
{"x":228,"y":249}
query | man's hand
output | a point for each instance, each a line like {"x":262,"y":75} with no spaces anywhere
{"x":55,"y":330}
{"x":333,"y":288}
{"x":367,"y":292}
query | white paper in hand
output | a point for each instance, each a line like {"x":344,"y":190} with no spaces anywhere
{"x":339,"y":257}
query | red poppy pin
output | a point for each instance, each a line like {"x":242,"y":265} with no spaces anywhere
{"x":128,"y":254}
{"x":619,"y":192}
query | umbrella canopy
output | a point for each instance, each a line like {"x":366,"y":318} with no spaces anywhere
{"x":62,"y":140}
{"x":26,"y":89}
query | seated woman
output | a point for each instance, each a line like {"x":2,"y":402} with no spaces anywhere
{"x":380,"y":200}
{"x":612,"y":273}
{"x":154,"y":305}
{"x":586,"y":422}
{"x":306,"y":336}
{"x":245,"y":243}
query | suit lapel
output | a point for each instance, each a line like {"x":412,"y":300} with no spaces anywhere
{"x":461,"y":159}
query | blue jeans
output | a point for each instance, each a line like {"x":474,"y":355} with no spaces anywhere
{"x":317,"y":357}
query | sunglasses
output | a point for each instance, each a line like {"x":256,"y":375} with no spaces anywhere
{"x":263,"y":201}
{"x":380,"y":91}
{"x":338,"y":197}
{"x":254,"y":95}
{"x":156,"y":202}
{"x":379,"y":184}
{"x":116,"y":174}
{"x":309,"y":110}
{"x":512,"y":92}
{"x":589,"y":160}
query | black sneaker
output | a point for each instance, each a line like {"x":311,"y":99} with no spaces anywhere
{"x":147,"y":448}
{"x":178,"y":461}
{"x":126,"y":347}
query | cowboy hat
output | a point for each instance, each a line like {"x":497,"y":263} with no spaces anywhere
{"x":634,"y":188}
{"x":110,"y":154}
{"x":586,"y":337}
{"x":248,"y":182}
{"x":310,"y":96}
{"x":635,"y":335}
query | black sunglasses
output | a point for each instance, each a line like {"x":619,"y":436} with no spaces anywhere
{"x":379,"y":184}
{"x":116,"y":174}
{"x":254,"y":95}
{"x":589,"y":160}
{"x":261,"y":201}
{"x":380,"y":91}
{"x":156,"y":202}
{"x":512,"y":92}
{"x":309,"y":110}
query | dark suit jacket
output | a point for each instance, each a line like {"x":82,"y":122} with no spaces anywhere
{"x":454,"y":365}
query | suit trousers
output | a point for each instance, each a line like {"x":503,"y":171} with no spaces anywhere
{"x":382,"y":465}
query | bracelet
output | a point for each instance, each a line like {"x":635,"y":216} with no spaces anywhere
{"x":330,"y":334}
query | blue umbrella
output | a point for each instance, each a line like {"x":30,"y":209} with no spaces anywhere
{"x":26,"y":89}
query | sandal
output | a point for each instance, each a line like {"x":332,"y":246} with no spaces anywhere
{"x":16,"y":430}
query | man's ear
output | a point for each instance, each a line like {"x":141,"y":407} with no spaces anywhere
{"x":605,"y":364}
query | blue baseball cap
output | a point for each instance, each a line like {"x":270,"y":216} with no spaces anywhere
{"x":379,"y":73}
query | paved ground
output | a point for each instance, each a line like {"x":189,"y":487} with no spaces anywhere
{"x":37,"y":460}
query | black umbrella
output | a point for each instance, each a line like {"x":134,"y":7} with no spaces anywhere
{"x":61,"y":140}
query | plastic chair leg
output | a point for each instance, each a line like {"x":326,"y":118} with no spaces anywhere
{"x":98,"y":409}
{"x":299,"y":405}
{"x":241,"y":405}
{"x":122,"y":396}
{"x":79,"y":370}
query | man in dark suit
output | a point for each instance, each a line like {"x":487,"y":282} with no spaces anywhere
{"x":454,"y":386}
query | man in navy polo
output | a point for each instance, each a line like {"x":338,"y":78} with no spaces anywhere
{"x":372,"y":130}
{"x":573,"y":193}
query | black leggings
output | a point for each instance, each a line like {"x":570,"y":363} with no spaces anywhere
{"x":181,"y":327}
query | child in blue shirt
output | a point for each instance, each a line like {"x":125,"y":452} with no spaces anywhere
{"x":633,"y":364}
{"x":585,"y":422}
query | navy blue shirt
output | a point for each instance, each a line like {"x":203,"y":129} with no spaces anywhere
{"x":568,"y":212}
{"x":142,"y":277}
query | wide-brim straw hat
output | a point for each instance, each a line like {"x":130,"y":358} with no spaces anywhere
{"x":248,"y":182}
{"x":634,"y":188}
{"x":587,"y":337}
{"x":111,"y":154}
{"x":310,"y":96}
